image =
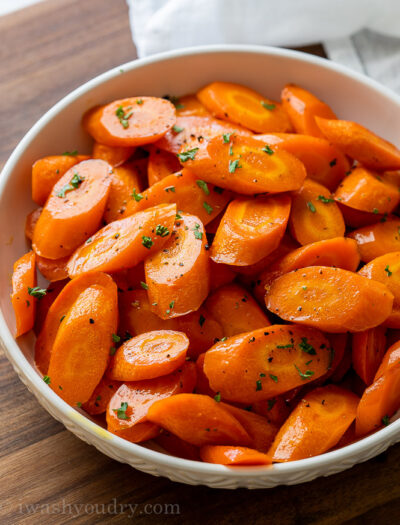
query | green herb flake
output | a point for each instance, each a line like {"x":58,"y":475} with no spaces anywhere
{"x":306,"y":347}
{"x":197,"y":233}
{"x":311,"y":207}
{"x":325,"y":200}
{"x":72,"y":185}
{"x":258,"y":385}
{"x":112,"y":350}
{"x":121,"y":412}
{"x":203,"y":185}
{"x":233,"y":165}
{"x":223,"y":339}
{"x":37,"y":292}
{"x":385,"y":420}
{"x":226,"y":137}
{"x":47,"y":380}
{"x":144,"y":285}
{"x":116,"y":338}
{"x":177,"y":129}
{"x":274,"y":378}
{"x":268,"y":106}
{"x":170,"y":188}
{"x":217,"y":397}
{"x":137,"y":196}
{"x":79,"y":404}
{"x":268,"y":150}
{"x":139,"y":101}
{"x":172,"y":304}
{"x":162,"y":231}
{"x":207,"y":207}
{"x":306,"y":375}
{"x":187,"y":155}
{"x":290,"y":345}
{"x":147,"y":242}
{"x":71,"y":153}
{"x":124,"y":115}
{"x":376,"y":211}
{"x":271,"y":404}
{"x":389,"y":273}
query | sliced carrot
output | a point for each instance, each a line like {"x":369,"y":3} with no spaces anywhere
{"x":74,"y":209}
{"x":177,"y":447}
{"x":365,"y":190}
{"x":31,"y":221}
{"x":125,"y":182}
{"x":243,"y":165}
{"x":178,"y":277}
{"x":361,"y":144}
{"x":189,"y":193}
{"x":244,"y":106}
{"x":233,"y":456}
{"x":52,"y":269}
{"x":302,"y":108}
{"x":266,"y":362}
{"x":331,"y":299}
{"x":198,"y":419}
{"x":102,"y":394}
{"x":48,"y":171}
{"x":161,"y":163}
{"x":190,"y":106}
{"x":81,"y":348}
{"x":316,"y":424}
{"x":367,"y":352}
{"x":235,"y":310}
{"x":149,"y":355}
{"x":127,"y":410}
{"x":378,"y":239}
{"x":315,"y":216}
{"x":113,"y":155}
{"x":130,"y":121}
{"x":24,"y":295}
{"x":202,"y":329}
{"x":220,"y":274}
{"x":125,"y":243}
{"x":43,"y":306}
{"x":356,"y":218}
{"x":250,"y":229}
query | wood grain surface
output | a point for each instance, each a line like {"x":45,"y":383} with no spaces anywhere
{"x":47,"y":475}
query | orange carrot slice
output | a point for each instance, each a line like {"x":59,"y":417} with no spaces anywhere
{"x":24,"y":293}
{"x":220,"y":274}
{"x":113,"y":155}
{"x":52,"y":269}
{"x":161,"y":164}
{"x":232,"y":456}
{"x":43,"y":306}
{"x":368,"y":350}
{"x":377,"y":239}
{"x":125,"y":182}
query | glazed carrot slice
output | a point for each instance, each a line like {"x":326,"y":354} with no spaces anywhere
{"x":316,"y":424}
{"x":189,"y":193}
{"x":81,"y":348}
{"x":149,"y":355}
{"x":266,"y":362}
{"x":178,"y":277}
{"x":250,"y":229}
{"x":127,"y":410}
{"x":161,"y":163}
{"x":31,"y":221}
{"x":302,"y":108}
{"x":386,"y":269}
{"x":235,"y":310}
{"x":190,"y":106}
{"x":315,"y":216}
{"x":198,"y":419}
{"x":102,"y":394}
{"x":48,"y":171}
{"x":368,"y":349}
{"x":125,"y":182}
{"x":324,"y":162}
{"x":377,"y":239}
{"x":125,"y":243}
{"x":130,"y":121}
{"x":243,"y":165}
{"x":365,"y":190}
{"x":220,"y":274}
{"x":331,"y":299}
{"x":244,"y":106}
{"x":357,"y":219}
{"x":113,"y":155}
{"x":177,"y":447}
{"x":52,"y":269}
{"x":233,"y":456}
{"x":24,"y":295}
{"x":43,"y":306}
{"x":74,"y":209}
{"x":361,"y":144}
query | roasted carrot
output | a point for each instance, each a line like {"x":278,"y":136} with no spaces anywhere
{"x":48,"y":171}
{"x":31,"y":221}
{"x":52,"y":269}
{"x":130,"y":121}
{"x":113,"y":155}
{"x":74,"y":209}
{"x":232,"y":456}
{"x":125,"y":243}
{"x":220,"y":274}
{"x":315,"y":425}
{"x":190,"y":106}
{"x":266,"y":362}
{"x":377,"y":239}
{"x":178,"y":277}
{"x":177,"y":447}
{"x":244,"y":106}
{"x":25,"y":293}
{"x":149,"y":355}
{"x":43,"y":306}
{"x":102,"y":394}
{"x":161,"y":163}
{"x":315,"y":216}
{"x":302,"y":108}
{"x":368,"y":349}
{"x":125,"y":183}
{"x":198,"y":419}
{"x":361,"y":144}
{"x":331,"y":299}
{"x":250,"y":229}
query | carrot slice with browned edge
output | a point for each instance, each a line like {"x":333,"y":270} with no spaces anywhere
{"x":113,"y":155}
{"x":316,"y":424}
{"x":266,"y":362}
{"x":368,"y":349}
{"x":331,"y":299}
{"x":81,"y":347}
{"x":43,"y":306}
{"x":24,"y":293}
{"x":315,"y":215}
{"x":52,"y":269}
{"x":243,"y":165}
{"x":178,"y":277}
{"x":102,"y":394}
{"x":48,"y":171}
{"x":125,"y":243}
{"x":74,"y":209}
{"x":235,"y":310}
{"x":199,"y":420}
{"x":189,"y":193}
{"x":125,"y":182}
{"x":130,"y":121}
{"x":250,"y":229}
{"x":361,"y":144}
{"x":127,"y":410}
{"x":302,"y":108}
{"x":377,"y":239}
{"x":161,"y":164}
{"x":244,"y":106}
{"x":233,"y":456}
{"x":31,"y":221}
{"x":149,"y":355}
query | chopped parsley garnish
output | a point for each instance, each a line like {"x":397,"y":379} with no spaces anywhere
{"x":290,"y":345}
{"x":311,"y":207}
{"x":71,"y":153}
{"x":306,"y":347}
{"x":268,"y":106}
{"x":376,"y":211}
{"x":178,"y":217}
{"x":147,"y":242}
{"x":137,"y":196}
{"x":47,"y":380}
{"x":208,"y":208}
{"x":162,"y":231}
{"x":116,"y":338}
{"x":37,"y":292}
{"x":144,"y":285}
{"x":268,"y":150}
{"x":203,"y":185}
{"x":124,"y":115}
{"x":197,"y":233}
{"x":177,"y":129}
{"x":170,"y":188}
{"x":217,"y":397}
{"x":79,"y":404}
{"x":139,"y":101}
{"x":258,"y":385}
{"x":325,"y":200}
{"x":187,"y":155}
{"x":172,"y":304}
{"x":274,"y":378}
{"x":388,"y":271}
{"x":223,"y":339}
{"x":121,"y":412}
{"x":233,"y":165}
{"x":385,"y":420}
{"x":174,"y":100}
{"x":226,"y":137}
{"x":72,"y":185}
{"x":112,"y":350}
{"x":306,"y":375}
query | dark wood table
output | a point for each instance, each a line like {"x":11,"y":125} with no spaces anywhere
{"x":46,"y":51}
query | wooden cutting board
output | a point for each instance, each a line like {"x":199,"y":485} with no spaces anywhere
{"x":46,"y":51}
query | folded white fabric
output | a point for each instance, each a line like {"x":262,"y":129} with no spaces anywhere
{"x":348,"y":28}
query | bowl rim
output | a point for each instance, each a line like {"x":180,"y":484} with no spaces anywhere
{"x":19,"y":361}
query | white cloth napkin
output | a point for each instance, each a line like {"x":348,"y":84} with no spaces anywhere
{"x":362,"y":34}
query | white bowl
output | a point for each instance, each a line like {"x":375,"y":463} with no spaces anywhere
{"x":351,"y":95}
